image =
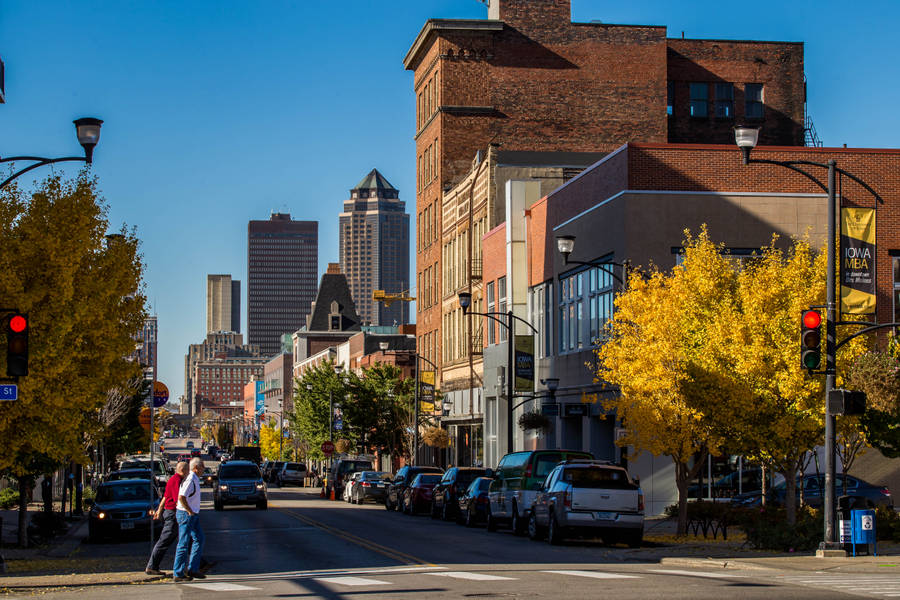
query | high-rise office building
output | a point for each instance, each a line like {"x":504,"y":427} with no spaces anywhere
{"x":223,"y":304}
{"x":374,"y":249}
{"x":282,"y":273}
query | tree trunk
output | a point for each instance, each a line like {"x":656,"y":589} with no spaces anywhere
{"x":790,"y":495}
{"x":23,"y":511}
{"x":683,"y":476}
{"x":79,"y":486}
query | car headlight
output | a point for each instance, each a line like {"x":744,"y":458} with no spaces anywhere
{"x":260,"y":485}
{"x":101,"y":515}
{"x":223,"y":488}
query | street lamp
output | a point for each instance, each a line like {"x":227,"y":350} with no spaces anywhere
{"x":384,"y":345}
{"x":465,"y":301}
{"x":746,"y":138}
{"x":565,"y":244}
{"x":88,"y":131}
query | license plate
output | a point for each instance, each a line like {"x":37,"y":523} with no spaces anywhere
{"x":606,"y":516}
{"x":242,"y":497}
{"x":126,"y":525}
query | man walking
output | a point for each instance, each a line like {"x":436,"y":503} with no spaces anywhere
{"x":166,"y":512}
{"x":189,"y":533}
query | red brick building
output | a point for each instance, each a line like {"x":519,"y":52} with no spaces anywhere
{"x":529,"y":79}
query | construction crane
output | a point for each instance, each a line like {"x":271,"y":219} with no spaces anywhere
{"x":382,"y":296}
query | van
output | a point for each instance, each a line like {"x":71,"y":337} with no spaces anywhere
{"x":517,"y":480}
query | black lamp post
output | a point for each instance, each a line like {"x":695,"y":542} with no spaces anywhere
{"x":88,"y":131}
{"x":746,"y":138}
{"x":565,"y":244}
{"x":465,"y":301}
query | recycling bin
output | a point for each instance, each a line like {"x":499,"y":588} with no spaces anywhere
{"x":862,"y":529}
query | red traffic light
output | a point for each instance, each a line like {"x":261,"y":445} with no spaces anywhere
{"x":812,"y":319}
{"x":18,"y":323}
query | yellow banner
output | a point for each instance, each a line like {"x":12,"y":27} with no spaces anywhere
{"x":857,"y":269}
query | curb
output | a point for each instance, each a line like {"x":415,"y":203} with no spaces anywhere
{"x":716,"y":563}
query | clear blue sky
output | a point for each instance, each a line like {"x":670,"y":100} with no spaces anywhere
{"x":218,"y":112}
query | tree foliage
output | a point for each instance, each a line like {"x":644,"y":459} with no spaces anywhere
{"x":270,"y":443}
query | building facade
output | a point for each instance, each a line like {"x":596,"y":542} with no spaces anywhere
{"x":374,"y":249}
{"x":529,"y":79}
{"x":223,"y":304}
{"x":219,"y":384}
{"x":217,"y":345}
{"x":282,"y":270}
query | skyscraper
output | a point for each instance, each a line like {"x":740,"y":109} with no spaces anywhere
{"x":374,"y":249}
{"x":282,"y":270}
{"x":223,"y":304}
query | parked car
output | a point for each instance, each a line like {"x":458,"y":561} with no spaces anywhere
{"x":275,"y":470}
{"x":743,"y":482}
{"x":813,"y":488}
{"x":371,"y":484}
{"x":240,"y":482}
{"x":348,"y":486}
{"x":473,"y":502}
{"x":291,"y":473}
{"x":341,"y":471}
{"x":209,"y":478}
{"x":266,"y":469}
{"x":417,"y":496}
{"x":445,"y":496}
{"x":588,"y":498}
{"x":516,"y":482}
{"x":122,"y":506}
{"x":393,"y":499}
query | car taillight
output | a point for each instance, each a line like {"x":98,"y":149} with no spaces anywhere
{"x":886,"y":491}
{"x":640,"y":502}
{"x":567,"y":499}
{"x":482,"y":499}
{"x":366,"y":484}
{"x":528,"y":470}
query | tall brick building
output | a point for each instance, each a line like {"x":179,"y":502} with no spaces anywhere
{"x":528,"y":79}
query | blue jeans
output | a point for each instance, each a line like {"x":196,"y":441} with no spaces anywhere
{"x":190,"y":536}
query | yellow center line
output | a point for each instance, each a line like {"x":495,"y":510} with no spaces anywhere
{"x":355,"y":539}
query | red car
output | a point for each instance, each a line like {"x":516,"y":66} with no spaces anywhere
{"x":418,"y":495}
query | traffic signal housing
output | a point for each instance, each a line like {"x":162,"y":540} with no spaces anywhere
{"x":17,"y":345}
{"x":810,"y":339}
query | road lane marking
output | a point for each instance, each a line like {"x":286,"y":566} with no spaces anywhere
{"x":694,"y":573}
{"x":220,"y":587}
{"x":595,"y":574}
{"x":352,"y":581}
{"x":325,"y":572}
{"x":472,"y":576}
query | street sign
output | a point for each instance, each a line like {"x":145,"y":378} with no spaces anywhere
{"x":144,"y":418}
{"x":9,"y":391}
{"x":575,"y":410}
{"x":338,"y":425}
{"x":328,"y":448}
{"x":550,"y":409}
{"x":160,"y":394}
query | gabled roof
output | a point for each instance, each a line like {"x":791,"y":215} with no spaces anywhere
{"x":374,"y":181}
{"x":333,"y":290}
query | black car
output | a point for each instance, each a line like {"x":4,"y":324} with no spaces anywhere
{"x":473,"y":503}
{"x":404,"y":477}
{"x":371,"y":484}
{"x":208,"y":478}
{"x":122,"y":506}
{"x":813,"y":489}
{"x":239,"y":482}
{"x":341,"y":471}
{"x":445,"y":495}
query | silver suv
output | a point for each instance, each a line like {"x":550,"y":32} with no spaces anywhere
{"x":588,"y":498}
{"x":239,"y":482}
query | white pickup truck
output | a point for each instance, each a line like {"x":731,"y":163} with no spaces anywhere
{"x":588,"y":498}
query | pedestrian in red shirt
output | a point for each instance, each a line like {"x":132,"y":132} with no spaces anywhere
{"x":166,"y":511}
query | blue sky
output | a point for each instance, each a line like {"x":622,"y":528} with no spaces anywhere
{"x":218,"y":112}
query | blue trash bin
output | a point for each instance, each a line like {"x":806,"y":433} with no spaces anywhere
{"x":862,"y":529}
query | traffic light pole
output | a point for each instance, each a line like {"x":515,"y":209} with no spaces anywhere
{"x":830,"y":343}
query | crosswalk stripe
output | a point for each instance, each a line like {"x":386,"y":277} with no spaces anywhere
{"x":221,"y":587}
{"x":595,"y":574}
{"x":472,"y":576}
{"x":351,"y":580}
{"x":695,"y":573}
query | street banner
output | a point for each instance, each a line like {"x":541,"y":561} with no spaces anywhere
{"x":426,"y":391}
{"x":857,"y":261}
{"x":524,"y":363}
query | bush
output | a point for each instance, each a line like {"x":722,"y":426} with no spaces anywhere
{"x":8,"y":498}
{"x":767,"y":529}
{"x":887,"y":524}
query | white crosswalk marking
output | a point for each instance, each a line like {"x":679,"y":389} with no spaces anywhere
{"x":874,"y":585}
{"x":710,"y":574}
{"x":220,"y":587}
{"x":352,"y":580}
{"x":472,"y":576}
{"x":595,"y":574}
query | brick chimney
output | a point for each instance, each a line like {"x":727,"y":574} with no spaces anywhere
{"x":527,"y":14}
{"x":333,"y":269}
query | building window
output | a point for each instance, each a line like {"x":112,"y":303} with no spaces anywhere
{"x":753,"y":101}
{"x":699,"y":100}
{"x":489,"y":297}
{"x":670,"y":98}
{"x":501,"y":304}
{"x":724,"y":100}
{"x":571,"y":312}
{"x":600,"y":298}
{"x":541,"y":298}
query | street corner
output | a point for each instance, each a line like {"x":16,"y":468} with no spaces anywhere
{"x":44,"y":575}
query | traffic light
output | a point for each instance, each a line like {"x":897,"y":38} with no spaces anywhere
{"x":17,"y":345}
{"x":811,"y":339}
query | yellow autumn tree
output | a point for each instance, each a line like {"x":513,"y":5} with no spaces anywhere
{"x":82,"y":291}
{"x":659,"y":355}
{"x":270,"y":444}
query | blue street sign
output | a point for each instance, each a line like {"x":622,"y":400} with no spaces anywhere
{"x":9,"y":391}
{"x":338,"y":425}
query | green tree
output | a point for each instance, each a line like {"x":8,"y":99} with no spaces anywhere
{"x":83,"y":293}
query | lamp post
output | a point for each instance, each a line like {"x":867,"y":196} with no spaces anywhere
{"x":88,"y":131}
{"x":465,"y":300}
{"x":565,"y":244}
{"x":746,"y":138}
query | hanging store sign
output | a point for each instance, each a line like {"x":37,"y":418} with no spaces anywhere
{"x":857,"y":261}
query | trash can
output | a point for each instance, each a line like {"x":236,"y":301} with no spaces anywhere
{"x":862,"y":529}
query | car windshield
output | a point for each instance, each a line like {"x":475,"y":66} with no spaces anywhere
{"x":594,"y":477}
{"x":136,"y":474}
{"x":482,"y":484}
{"x":119,"y":493}
{"x":349,"y":466}
{"x":545,"y":464}
{"x":376,"y":476}
{"x":294,"y":467}
{"x":427,"y":479}
{"x":238,"y":472}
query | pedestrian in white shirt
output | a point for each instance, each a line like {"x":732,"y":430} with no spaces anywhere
{"x":190,"y":536}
